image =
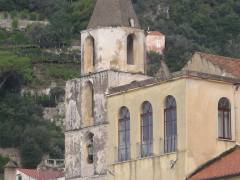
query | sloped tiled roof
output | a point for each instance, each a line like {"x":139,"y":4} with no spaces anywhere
{"x":225,"y":165}
{"x":230,"y":65}
{"x":41,"y":174}
{"x":111,"y":13}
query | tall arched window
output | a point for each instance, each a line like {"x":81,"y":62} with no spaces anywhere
{"x":224,"y":118}
{"x":124,"y":134}
{"x":130,"y":49}
{"x":170,"y":125}
{"x":89,"y":55}
{"x":88,"y":104}
{"x":146,"y":129}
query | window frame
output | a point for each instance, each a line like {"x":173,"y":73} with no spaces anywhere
{"x":170,"y":123}
{"x":130,"y":49}
{"x":146,"y":145}
{"x":125,"y":147}
{"x":222,"y":122}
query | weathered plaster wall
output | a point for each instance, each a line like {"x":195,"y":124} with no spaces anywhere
{"x":77,"y":166}
{"x":76,"y":155}
{"x":12,"y":153}
{"x":111,"y":49}
{"x":201,"y":65}
{"x":9,"y":173}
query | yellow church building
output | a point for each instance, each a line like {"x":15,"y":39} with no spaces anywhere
{"x":124,"y":125}
{"x":166,"y":128}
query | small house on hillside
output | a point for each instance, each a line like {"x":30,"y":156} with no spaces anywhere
{"x":155,"y":41}
{"x":34,"y":174}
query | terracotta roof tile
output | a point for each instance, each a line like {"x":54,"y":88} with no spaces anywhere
{"x":230,"y":65}
{"x":227,"y":164}
{"x":155,"y":33}
{"x":41,"y":174}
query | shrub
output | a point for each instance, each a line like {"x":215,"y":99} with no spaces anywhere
{"x":33,"y":16}
{"x":15,"y":23}
{"x":13,"y":14}
{"x":62,"y":72}
{"x":5,"y":15}
{"x":24,"y":14}
{"x":153,"y":63}
{"x":3,"y":161}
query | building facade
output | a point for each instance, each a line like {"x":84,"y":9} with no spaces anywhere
{"x":112,"y":54}
{"x":123,"y":125}
{"x":155,"y":41}
{"x":170,"y":127}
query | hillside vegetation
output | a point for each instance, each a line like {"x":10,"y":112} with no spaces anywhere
{"x":189,"y":25}
{"x":193,"y":25}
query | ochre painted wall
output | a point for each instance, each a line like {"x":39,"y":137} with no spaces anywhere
{"x":202,"y":120}
{"x":197,"y":128}
{"x":158,"y":166}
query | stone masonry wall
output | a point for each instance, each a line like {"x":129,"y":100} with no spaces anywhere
{"x":76,"y":165}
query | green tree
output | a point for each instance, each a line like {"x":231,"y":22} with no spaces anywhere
{"x":153,"y":63}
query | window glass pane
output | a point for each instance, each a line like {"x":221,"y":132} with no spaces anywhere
{"x":220,"y":123}
{"x":170,"y":133}
{"x":127,"y":124}
{"x":124,"y":134}
{"x":145,"y":134}
{"x":128,"y":137}
{"x":121,"y":125}
{"x":150,"y":133}
{"x":227,"y":128}
{"x":224,"y":118}
{"x":145,"y":121}
{"x":122,"y":138}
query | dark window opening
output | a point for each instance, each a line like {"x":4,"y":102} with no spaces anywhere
{"x":170,"y":125}
{"x":224,"y":119}
{"x":90,"y":148}
{"x":19,"y":177}
{"x":124,"y":134}
{"x":130,"y":49}
{"x":93,"y":53}
{"x":146,"y":130}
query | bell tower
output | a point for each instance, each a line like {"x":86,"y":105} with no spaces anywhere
{"x":113,"y":40}
{"x":112,"y":54}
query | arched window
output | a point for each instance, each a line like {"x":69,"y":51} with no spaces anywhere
{"x":146,"y":129}
{"x":170,"y":125}
{"x":89,"y":55}
{"x":88,"y":104}
{"x":130,"y":49}
{"x":224,"y":118}
{"x":19,"y":177}
{"x":90,"y":147}
{"x":124,"y":134}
